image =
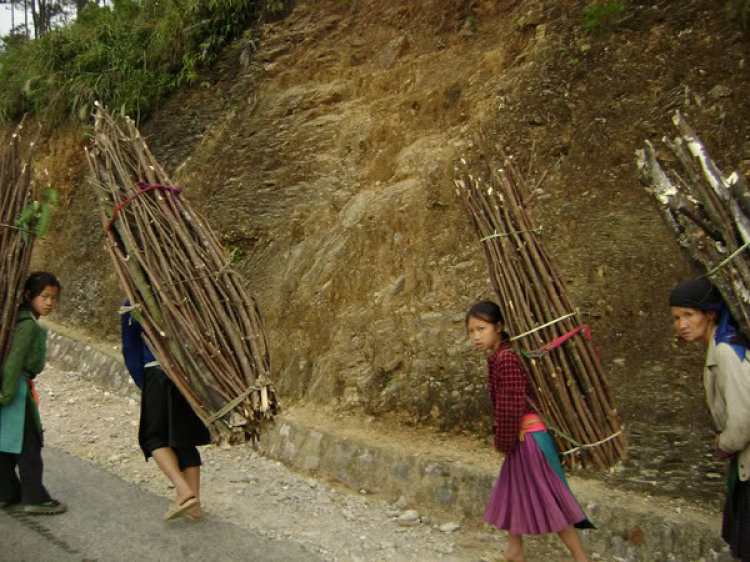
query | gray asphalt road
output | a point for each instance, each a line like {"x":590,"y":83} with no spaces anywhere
{"x":112,"y":520}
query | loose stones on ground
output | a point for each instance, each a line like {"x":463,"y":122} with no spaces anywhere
{"x":256,"y":493}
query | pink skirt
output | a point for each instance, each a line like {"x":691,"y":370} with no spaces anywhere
{"x":530,"y":497}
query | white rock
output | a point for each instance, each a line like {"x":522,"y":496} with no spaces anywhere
{"x":408,"y":519}
{"x":449,"y":527}
{"x":410,"y":515}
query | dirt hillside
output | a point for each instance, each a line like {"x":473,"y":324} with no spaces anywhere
{"x":321,"y":147}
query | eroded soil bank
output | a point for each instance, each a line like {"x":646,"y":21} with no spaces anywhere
{"x":322,"y":148}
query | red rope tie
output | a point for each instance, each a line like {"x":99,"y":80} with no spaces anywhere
{"x":557,"y":342}
{"x":144,"y":187}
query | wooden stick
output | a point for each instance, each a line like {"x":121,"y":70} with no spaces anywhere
{"x":201,"y":324}
{"x":571,"y":388}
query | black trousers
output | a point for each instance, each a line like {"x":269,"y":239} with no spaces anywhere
{"x":167,"y":420}
{"x":27,"y":489}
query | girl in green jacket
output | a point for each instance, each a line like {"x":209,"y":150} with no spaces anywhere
{"x":20,"y":425}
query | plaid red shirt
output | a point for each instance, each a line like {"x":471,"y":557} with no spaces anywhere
{"x":509,"y":385}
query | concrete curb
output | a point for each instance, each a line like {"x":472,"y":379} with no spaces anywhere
{"x":624,"y":533}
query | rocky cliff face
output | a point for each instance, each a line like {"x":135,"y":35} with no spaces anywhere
{"x":322,"y":149}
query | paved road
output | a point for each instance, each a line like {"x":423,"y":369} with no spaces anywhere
{"x":110,"y":520}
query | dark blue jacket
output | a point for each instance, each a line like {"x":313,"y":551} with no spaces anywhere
{"x":134,"y":348}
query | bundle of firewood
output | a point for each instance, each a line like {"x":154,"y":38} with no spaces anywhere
{"x":709,"y":213}
{"x":17,"y":232}
{"x":573,"y":394}
{"x":200,"y":322}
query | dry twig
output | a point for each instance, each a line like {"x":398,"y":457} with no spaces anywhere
{"x":201,"y":324}
{"x":571,"y":387}
{"x":16,"y":242}
{"x":708,"y":212}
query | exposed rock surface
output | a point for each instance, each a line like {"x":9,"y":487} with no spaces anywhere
{"x":332,"y":172}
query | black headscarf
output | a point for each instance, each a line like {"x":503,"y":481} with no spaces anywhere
{"x":696,"y":293}
{"x":700,"y":294}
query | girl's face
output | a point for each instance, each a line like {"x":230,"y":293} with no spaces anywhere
{"x":45,"y":302}
{"x":692,"y":324}
{"x":484,"y":335}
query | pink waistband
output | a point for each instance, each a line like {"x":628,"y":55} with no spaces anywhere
{"x":531,"y":423}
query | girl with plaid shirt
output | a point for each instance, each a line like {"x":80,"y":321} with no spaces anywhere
{"x":531,"y":495}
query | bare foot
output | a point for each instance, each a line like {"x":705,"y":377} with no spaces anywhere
{"x":181,"y":496}
{"x":514,"y":555}
{"x":194,"y":512}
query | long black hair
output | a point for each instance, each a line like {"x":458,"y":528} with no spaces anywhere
{"x":36,"y":283}
{"x":487,"y":311}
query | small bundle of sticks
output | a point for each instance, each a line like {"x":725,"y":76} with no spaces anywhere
{"x":16,"y":239}
{"x":709,"y":213}
{"x":573,"y":393}
{"x":200,"y":322}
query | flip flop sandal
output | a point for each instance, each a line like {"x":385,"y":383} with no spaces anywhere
{"x":176,"y":509}
{"x":192,"y":517}
{"x":52,"y":507}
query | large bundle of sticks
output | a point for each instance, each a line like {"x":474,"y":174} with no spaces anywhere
{"x":16,"y":237}
{"x":572,"y":390}
{"x":709,"y":213}
{"x":200,"y":322}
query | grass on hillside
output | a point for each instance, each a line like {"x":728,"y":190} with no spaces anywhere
{"x":128,"y":56}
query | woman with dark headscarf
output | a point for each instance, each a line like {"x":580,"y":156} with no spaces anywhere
{"x":699,"y":314}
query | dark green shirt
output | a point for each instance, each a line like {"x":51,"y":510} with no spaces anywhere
{"x":27,"y":354}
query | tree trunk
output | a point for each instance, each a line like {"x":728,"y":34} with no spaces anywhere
{"x":35,"y":18}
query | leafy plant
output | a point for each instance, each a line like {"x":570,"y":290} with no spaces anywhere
{"x":129,"y":56}
{"x":603,"y":15}
{"x":236,"y":256}
{"x":37,"y":216}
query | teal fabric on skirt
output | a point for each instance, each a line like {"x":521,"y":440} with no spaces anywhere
{"x":545,"y":442}
{"x":12,"y":417}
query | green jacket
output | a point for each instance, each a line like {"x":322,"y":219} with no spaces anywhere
{"x":26,"y":358}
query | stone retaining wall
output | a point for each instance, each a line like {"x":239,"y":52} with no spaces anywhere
{"x":623,"y":534}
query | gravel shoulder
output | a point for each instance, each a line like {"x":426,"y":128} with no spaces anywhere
{"x":262,"y":495}
{"x":100,"y":425}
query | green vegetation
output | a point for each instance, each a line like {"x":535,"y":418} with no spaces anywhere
{"x":37,"y":216}
{"x":603,"y":15}
{"x":740,"y":9}
{"x":129,"y":56}
{"x":236,"y":256}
